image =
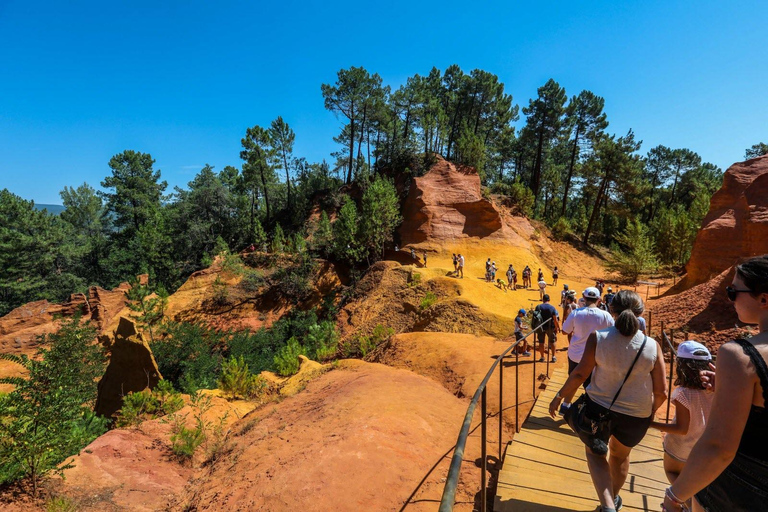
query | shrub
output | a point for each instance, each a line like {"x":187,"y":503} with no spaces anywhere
{"x":415,"y":280}
{"x":47,"y":417}
{"x":190,"y":356}
{"x":185,"y":441}
{"x":363,"y":345}
{"x":429,"y":299}
{"x":146,"y":404}
{"x":287,"y":358}
{"x":237,"y":380}
{"x":522,"y":197}
{"x":252,"y":282}
{"x":60,"y":504}
{"x":322,"y":341}
{"x":561,"y":228}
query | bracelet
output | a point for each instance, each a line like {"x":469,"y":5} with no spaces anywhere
{"x":558,"y":395}
{"x":671,"y":495}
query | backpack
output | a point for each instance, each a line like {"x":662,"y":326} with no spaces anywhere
{"x":536,"y":319}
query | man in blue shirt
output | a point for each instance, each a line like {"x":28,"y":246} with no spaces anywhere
{"x":550,"y":329}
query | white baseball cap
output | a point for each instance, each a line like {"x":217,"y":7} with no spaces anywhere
{"x":693,"y":350}
{"x":591,"y":293}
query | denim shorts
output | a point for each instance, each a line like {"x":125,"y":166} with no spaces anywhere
{"x":742,"y":486}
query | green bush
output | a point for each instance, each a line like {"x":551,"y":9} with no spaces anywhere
{"x":362,"y":345}
{"x":322,"y":341}
{"x":185,"y":441}
{"x":561,"y":228}
{"x":60,"y":504}
{"x":287,"y":358}
{"x":252,"y":282}
{"x":429,"y":299}
{"x":47,"y":417}
{"x":522,"y":197}
{"x":190,"y":356}
{"x":146,"y":404}
{"x":237,"y":380}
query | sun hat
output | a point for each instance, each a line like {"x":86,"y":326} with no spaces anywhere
{"x":565,"y":287}
{"x":693,"y":350}
{"x":522,"y":311}
{"x":591,"y":293}
{"x":610,"y":289}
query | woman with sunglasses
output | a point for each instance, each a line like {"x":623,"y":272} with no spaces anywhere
{"x":728,"y":467}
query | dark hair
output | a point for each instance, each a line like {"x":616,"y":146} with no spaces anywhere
{"x":688,"y":375}
{"x":545,"y":298}
{"x":627,"y":305}
{"x":754,"y":273}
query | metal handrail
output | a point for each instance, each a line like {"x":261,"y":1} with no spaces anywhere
{"x":449,"y":491}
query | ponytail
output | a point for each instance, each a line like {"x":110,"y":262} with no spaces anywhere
{"x":627,"y":305}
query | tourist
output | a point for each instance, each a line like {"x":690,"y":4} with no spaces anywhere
{"x":510,"y":276}
{"x":555,"y":275}
{"x":455,"y":264}
{"x":527,"y":277}
{"x":692,"y":404}
{"x":519,"y":333}
{"x":397,"y":248}
{"x":550,"y":329}
{"x":501,"y":285}
{"x":425,"y":259}
{"x":461,"y":266}
{"x":627,"y":388}
{"x":563,"y":294}
{"x":540,"y":276}
{"x":727,"y":469}
{"x":600,"y":285}
{"x":607,"y":299}
{"x":514,"y":279}
{"x":542,"y":288}
{"x":581,"y":323}
{"x":568,"y":308}
{"x":413,"y":254}
{"x":493,"y":271}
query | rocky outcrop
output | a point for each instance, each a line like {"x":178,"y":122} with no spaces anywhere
{"x":446,"y":204}
{"x":132,"y":368}
{"x":736,"y":225}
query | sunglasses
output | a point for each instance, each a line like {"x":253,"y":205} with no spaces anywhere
{"x":732,"y":292}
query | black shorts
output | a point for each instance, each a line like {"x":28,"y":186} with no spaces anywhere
{"x":628,"y":430}
{"x":572,"y":366}
{"x":518,"y":336}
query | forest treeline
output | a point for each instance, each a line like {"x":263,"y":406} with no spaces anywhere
{"x":561,"y":165}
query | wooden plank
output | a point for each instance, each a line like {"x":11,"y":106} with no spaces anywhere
{"x":545,"y":468}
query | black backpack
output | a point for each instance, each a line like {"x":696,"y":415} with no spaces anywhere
{"x":536,"y":319}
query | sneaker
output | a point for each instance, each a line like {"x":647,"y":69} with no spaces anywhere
{"x":554,"y":359}
{"x":526,"y":354}
{"x":541,"y":359}
{"x":617,"y":503}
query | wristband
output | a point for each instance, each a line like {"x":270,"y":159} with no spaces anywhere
{"x":672,"y":496}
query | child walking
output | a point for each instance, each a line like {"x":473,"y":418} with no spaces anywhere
{"x":692,"y":405}
{"x":523,"y":347}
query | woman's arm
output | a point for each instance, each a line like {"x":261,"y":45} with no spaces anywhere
{"x":577,"y":377}
{"x":659,"y":377}
{"x":682,"y":421}
{"x":730,"y":409}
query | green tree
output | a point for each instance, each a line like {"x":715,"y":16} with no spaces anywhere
{"x":585,"y":120}
{"x":149,"y":305}
{"x":759,"y":149}
{"x":635,"y":254}
{"x":282,"y":140}
{"x":47,"y":417}
{"x":39,"y":254}
{"x":544,"y":123}
{"x":278,"y":239}
{"x":322,"y":239}
{"x":380,"y":212}
{"x":258,"y":176}
{"x":345,"y":234}
{"x":137,"y":190}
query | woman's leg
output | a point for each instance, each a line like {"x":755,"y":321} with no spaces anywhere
{"x":601,"y":478}
{"x":618,"y":460}
{"x":672,"y":467}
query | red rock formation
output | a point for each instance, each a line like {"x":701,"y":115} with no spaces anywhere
{"x":446,"y":204}
{"x":132,"y":368}
{"x":736,"y":225}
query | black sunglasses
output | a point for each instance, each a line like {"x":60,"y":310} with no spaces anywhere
{"x":731,"y":292}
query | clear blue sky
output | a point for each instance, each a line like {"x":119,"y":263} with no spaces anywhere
{"x":82,"y":81}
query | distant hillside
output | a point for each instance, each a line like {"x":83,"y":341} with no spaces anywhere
{"x":54,"y":209}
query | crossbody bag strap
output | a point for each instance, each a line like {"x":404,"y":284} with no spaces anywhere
{"x":630,"y":371}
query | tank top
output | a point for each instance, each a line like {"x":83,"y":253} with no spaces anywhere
{"x":613,"y":357}
{"x":753,"y":440}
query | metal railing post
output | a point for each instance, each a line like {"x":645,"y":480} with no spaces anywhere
{"x":650,"y":322}
{"x":501,"y":402}
{"x":533,"y":384}
{"x":517,"y":392}
{"x":484,"y":494}
{"x":671,"y":370}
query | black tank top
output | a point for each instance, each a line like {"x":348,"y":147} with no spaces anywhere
{"x":754,"y":440}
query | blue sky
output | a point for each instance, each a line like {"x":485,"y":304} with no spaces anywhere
{"x":82,"y":81}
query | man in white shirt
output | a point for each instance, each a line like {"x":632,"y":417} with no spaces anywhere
{"x":583,"y":322}
{"x":461,"y":266}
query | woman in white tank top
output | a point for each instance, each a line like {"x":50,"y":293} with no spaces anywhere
{"x":608,"y":356}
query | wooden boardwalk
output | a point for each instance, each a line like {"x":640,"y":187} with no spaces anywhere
{"x":545,"y":468}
